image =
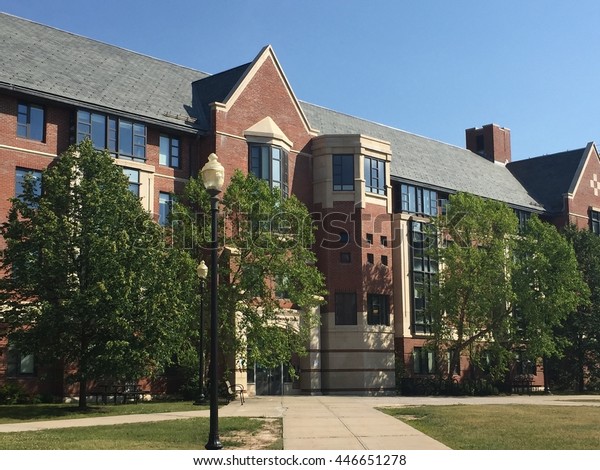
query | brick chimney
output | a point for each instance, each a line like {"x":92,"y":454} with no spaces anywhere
{"x":491,"y":141}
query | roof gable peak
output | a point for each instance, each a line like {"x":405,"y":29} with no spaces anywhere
{"x":266,"y":53}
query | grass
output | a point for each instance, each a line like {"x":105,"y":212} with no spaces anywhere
{"x":506,"y":427}
{"x":182,"y":434}
{"x":21,"y":413}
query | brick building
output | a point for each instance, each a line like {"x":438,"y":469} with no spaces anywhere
{"x":370,"y":186}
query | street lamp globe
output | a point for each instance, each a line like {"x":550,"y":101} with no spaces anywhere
{"x":213,"y":174}
{"x":202,"y":270}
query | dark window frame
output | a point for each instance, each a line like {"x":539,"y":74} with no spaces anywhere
{"x":163,"y":218}
{"x":123,"y":138}
{"x":20,"y":175}
{"x":423,"y":361}
{"x":173,"y":151}
{"x":343,"y":172}
{"x":423,"y":269}
{"x":595,"y":221}
{"x":417,"y":200}
{"x":134,"y":186}
{"x":27,"y":129}
{"x":378,"y":309}
{"x":14,"y":363}
{"x":263,"y":159}
{"x":375,"y":175}
{"x":346,"y":311}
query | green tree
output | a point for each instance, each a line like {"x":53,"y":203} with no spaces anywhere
{"x":499,"y":290}
{"x":89,"y":279}
{"x":472,"y":294}
{"x":268,"y":281}
{"x":548,"y":287}
{"x":581,"y":330}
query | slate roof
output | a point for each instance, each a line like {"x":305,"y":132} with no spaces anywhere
{"x":45,"y":61}
{"x":429,"y":162}
{"x":214,"y":89}
{"x":54,"y":63}
{"x":548,"y":177}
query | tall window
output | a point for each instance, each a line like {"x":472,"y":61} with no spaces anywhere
{"x":343,"y":172}
{"x":595,"y":222}
{"x":375,"y":175}
{"x":134,"y":180}
{"x":169,"y":151}
{"x":378,"y":309}
{"x":270,"y":163}
{"x":165,"y":202}
{"x":417,"y":200}
{"x":423,"y":361}
{"x":123,"y":138}
{"x":30,"y":121}
{"x":24,"y":174}
{"x":423,"y":271}
{"x":345,"y":308}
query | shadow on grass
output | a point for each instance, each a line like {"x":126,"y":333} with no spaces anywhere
{"x":39,"y":412}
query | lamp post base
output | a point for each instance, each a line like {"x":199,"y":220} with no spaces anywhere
{"x":214,"y":443}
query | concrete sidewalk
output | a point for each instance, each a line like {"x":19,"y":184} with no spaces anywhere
{"x":325,"y":422}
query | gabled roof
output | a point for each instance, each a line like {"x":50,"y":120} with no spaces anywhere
{"x":549,"y":177}
{"x":46,"y":61}
{"x":429,"y":162}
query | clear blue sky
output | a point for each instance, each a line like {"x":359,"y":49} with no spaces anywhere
{"x":431,"y":67}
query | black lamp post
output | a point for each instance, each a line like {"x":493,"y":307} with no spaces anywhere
{"x":213,"y":176}
{"x":202,"y":271}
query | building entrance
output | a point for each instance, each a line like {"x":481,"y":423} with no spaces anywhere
{"x":269,"y":381}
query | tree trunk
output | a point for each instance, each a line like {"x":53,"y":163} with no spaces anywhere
{"x":82,"y":393}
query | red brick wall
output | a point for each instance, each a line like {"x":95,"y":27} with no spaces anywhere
{"x":265,"y":95}
{"x":584,"y":198}
{"x":358,"y":276}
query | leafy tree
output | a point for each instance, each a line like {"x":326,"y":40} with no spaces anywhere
{"x":471,"y":298}
{"x":548,"y":286}
{"x":499,"y":290}
{"x":89,"y":279}
{"x":581,"y":330}
{"x":268,"y":281}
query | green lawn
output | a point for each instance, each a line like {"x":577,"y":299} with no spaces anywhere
{"x":506,"y":427}
{"x":187,"y":434}
{"x":20,"y":413}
